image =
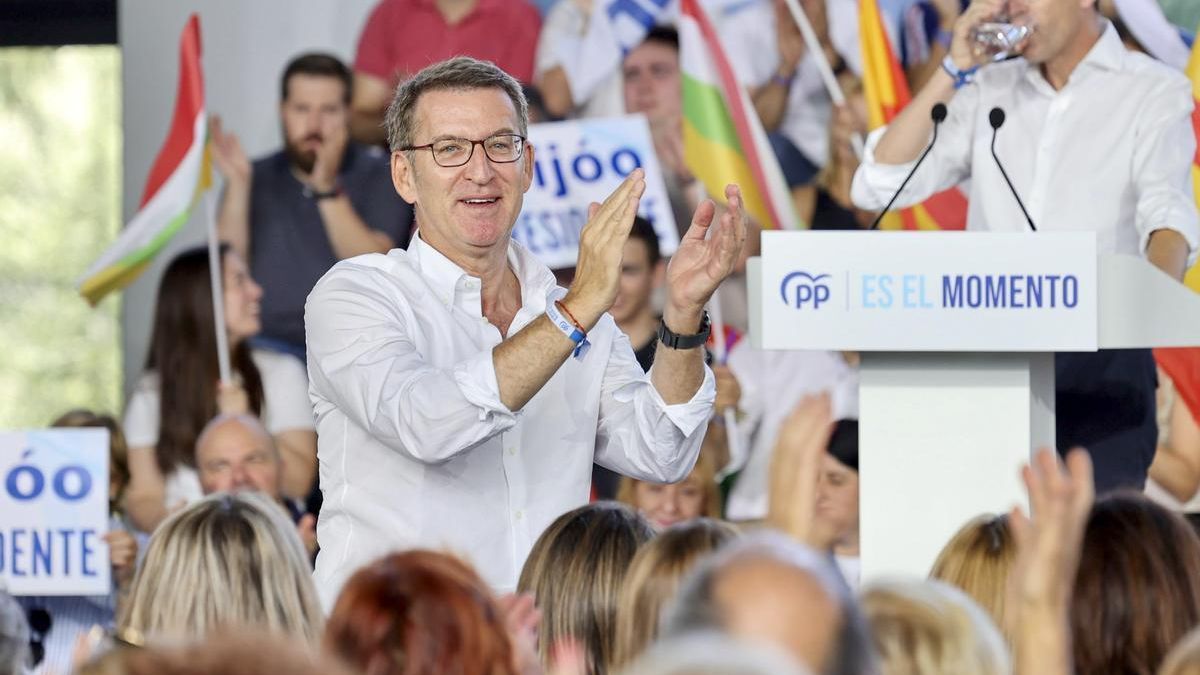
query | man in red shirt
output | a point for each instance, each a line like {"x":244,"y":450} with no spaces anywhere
{"x":403,"y":36}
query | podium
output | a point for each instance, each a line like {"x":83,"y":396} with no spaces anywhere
{"x":957,"y":332}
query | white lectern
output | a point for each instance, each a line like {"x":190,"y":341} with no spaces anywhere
{"x":957,"y":333}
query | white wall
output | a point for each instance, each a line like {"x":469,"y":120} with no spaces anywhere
{"x":246,"y":44}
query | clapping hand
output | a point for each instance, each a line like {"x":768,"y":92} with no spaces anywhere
{"x":702,"y":262}
{"x":796,"y":467}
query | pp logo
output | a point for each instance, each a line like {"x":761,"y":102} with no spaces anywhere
{"x":805,"y":289}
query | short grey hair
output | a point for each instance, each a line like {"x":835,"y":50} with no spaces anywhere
{"x":713,"y":654}
{"x":250,"y":422}
{"x":14,"y":636}
{"x":461,"y":73}
{"x":695,"y":606}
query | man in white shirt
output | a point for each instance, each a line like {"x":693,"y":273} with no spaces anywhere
{"x":1096,"y":138}
{"x":461,"y":396}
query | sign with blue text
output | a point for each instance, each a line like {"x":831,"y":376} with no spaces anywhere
{"x":583,"y":161}
{"x":929,"y":291}
{"x":54,"y":512}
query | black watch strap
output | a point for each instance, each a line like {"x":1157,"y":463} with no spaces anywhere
{"x":677,"y":341}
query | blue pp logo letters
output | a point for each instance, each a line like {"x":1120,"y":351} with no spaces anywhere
{"x":800,"y":289}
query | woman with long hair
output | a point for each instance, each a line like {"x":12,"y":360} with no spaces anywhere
{"x":226,"y":562}
{"x":575,"y":572}
{"x":180,"y":391}
{"x":654,"y":576}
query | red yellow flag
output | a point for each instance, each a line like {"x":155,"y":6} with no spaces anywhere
{"x":887,"y":93}
{"x":1193,"y":73}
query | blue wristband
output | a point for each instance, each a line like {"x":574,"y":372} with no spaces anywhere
{"x":961,"y":77}
{"x":574,"y":334}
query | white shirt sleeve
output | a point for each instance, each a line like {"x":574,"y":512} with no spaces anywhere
{"x":948,"y":164}
{"x":286,"y":405}
{"x":141,"y":422}
{"x":362,"y":360}
{"x":639,"y":435}
{"x":1163,"y":154}
{"x":562,"y":30}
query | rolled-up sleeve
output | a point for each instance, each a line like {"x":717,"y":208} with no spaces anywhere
{"x":639,"y":435}
{"x":362,"y":360}
{"x":1163,"y":172}
{"x":948,"y":163}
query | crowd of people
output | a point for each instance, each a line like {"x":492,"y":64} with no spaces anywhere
{"x":437,"y":455}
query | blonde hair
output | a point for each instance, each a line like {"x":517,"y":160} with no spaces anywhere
{"x":705,"y":473}
{"x":228,"y":560}
{"x":977,"y":560}
{"x":655,"y":575}
{"x":1184,"y":657}
{"x":932,"y":628}
{"x":575,"y":572}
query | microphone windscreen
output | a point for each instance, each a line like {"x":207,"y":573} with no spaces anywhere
{"x":938,"y":113}
{"x":996,"y":118}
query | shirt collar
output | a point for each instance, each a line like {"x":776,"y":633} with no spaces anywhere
{"x":482,"y":5}
{"x":1107,"y":54}
{"x":444,"y":275}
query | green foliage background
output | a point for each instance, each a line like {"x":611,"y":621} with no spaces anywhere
{"x":60,"y":192}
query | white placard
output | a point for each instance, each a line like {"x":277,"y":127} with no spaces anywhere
{"x":54,"y":511}
{"x":929,"y":291}
{"x":583,"y":161}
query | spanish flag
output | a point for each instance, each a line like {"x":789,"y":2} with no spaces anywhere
{"x":887,"y":93}
{"x":1193,"y":72}
{"x":723,"y":139}
{"x":181,"y":173}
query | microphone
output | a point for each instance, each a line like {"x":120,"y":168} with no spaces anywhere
{"x":996,"y":119}
{"x":938,"y":113}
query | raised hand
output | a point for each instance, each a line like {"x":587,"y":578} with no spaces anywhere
{"x":306,"y":527}
{"x":601,"y":246}
{"x":227,"y":153}
{"x":796,"y":466}
{"x":1048,"y":543}
{"x":521,"y":619}
{"x":334,"y":136}
{"x":702,"y":262}
{"x":1048,"y":550}
{"x":232,"y":399}
{"x":729,"y":392}
{"x":122,"y":555}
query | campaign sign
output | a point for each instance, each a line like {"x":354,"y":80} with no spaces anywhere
{"x":929,"y":291}
{"x":54,"y":512}
{"x":580,"y":162}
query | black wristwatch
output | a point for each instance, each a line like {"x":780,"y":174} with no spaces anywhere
{"x":677,"y":341}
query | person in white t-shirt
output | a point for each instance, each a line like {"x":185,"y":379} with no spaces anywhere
{"x":165,"y":415}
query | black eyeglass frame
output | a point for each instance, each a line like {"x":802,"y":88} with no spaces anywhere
{"x":521,"y":142}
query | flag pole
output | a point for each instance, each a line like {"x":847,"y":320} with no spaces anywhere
{"x":814,"y":47}
{"x":218,"y":294}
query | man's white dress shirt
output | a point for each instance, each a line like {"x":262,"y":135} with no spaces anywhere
{"x":415,"y":447}
{"x":1110,"y":152}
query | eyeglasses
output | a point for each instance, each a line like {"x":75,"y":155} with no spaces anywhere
{"x":39,"y":626}
{"x":452,"y":152}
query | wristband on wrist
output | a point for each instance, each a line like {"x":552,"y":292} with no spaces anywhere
{"x":960,"y":77}
{"x":569,"y":327}
{"x":784,"y":81}
{"x":318,"y":196}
